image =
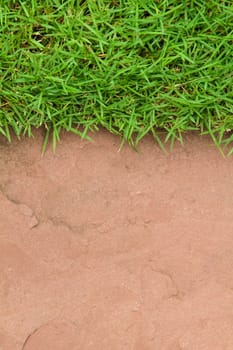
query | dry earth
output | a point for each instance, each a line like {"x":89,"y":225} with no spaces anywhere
{"x":101,"y":249}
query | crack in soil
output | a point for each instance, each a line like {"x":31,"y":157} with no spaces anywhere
{"x":178,"y":294}
{"x":60,"y":222}
{"x":18,"y":203}
{"x":30,"y":335}
{"x":9,"y":198}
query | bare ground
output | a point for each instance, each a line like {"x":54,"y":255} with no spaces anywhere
{"x":101,"y":249}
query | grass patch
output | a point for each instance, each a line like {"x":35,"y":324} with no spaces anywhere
{"x":131,"y":66}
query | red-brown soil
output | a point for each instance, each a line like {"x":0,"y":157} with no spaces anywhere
{"x":104,"y":249}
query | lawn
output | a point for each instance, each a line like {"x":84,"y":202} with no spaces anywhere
{"x":131,"y":66}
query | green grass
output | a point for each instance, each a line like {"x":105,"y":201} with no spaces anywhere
{"x":131,"y":66}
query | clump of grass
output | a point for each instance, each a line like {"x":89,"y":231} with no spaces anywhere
{"x":131,"y":66}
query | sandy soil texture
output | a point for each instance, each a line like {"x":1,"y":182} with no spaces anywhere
{"x":101,"y":249}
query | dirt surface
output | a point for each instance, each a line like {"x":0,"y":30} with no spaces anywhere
{"x":101,"y":249}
